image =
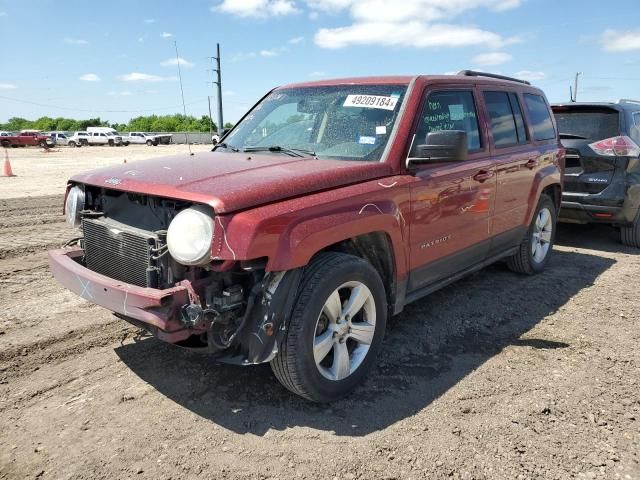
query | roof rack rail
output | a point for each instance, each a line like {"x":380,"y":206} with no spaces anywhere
{"x":473,"y":73}
{"x":628,"y":100}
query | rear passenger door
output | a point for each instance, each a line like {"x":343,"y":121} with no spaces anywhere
{"x":516,"y":164}
{"x":450,"y":202}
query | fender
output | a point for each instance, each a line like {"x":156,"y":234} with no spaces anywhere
{"x":550,"y":174}
{"x":287,"y":234}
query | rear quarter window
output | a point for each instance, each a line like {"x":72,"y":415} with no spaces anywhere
{"x":539,"y":117}
{"x":591,"y":124}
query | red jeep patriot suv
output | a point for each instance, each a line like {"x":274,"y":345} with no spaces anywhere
{"x":327,"y":208}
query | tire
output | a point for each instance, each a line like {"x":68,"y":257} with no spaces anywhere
{"x":630,"y":234}
{"x":536,"y":247}
{"x":72,"y":144}
{"x":149,"y":143}
{"x":111,"y":144}
{"x":126,"y":144}
{"x":6,"y":143}
{"x":43,"y":145}
{"x":338,"y":277}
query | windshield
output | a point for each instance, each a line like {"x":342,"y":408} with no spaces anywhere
{"x":592,"y":124}
{"x":346,"y":122}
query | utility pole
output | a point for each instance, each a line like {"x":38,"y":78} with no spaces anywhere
{"x":219,"y":85}
{"x":574,"y":94}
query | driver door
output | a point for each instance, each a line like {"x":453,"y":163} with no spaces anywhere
{"x":451,"y":203}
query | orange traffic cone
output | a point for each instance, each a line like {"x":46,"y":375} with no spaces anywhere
{"x":6,"y":168}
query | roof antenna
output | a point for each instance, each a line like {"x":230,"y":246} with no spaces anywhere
{"x":184,"y":107}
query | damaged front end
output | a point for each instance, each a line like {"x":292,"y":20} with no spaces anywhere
{"x":129,"y":261}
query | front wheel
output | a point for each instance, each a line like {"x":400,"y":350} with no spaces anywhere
{"x":149,"y":143}
{"x":336,"y":328}
{"x":72,"y":144}
{"x":535,"y":249}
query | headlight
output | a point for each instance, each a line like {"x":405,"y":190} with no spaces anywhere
{"x":190,"y":235}
{"x":74,"y":205}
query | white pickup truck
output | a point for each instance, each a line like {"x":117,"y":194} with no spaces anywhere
{"x":79,"y":139}
{"x":144,"y":138}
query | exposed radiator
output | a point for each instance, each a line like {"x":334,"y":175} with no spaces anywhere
{"x":118,"y":251}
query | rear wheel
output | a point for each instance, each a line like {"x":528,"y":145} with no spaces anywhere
{"x":72,"y":144}
{"x":336,"y":328}
{"x":630,"y":234}
{"x":535,"y":249}
{"x":6,"y":143}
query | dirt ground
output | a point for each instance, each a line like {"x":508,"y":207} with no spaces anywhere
{"x":498,"y":376}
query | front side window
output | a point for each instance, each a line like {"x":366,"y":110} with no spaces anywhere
{"x":449,"y":110}
{"x":345,"y":122}
{"x":539,"y":116}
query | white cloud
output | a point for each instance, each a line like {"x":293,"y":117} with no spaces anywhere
{"x":166,"y":35}
{"x":295,"y":40}
{"x":257,"y":8}
{"x":492,"y":58}
{"x":228,"y":93}
{"x":140,"y":39}
{"x":410,"y":34}
{"x":317,"y":74}
{"x":614,"y":41}
{"x":90,"y":77}
{"x":410,"y":23}
{"x":125,"y":93}
{"x":149,"y":20}
{"x":172,"y":62}
{"x":143,"y":77}
{"x":7,"y":86}
{"x":529,"y":75}
{"x":3,"y":14}
{"x":75,"y":41}
{"x":268,"y":53}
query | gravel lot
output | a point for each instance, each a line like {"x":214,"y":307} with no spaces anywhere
{"x":498,"y":376}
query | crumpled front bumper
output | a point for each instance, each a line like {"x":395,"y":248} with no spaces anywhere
{"x":158,"y":309}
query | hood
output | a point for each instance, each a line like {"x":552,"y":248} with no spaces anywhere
{"x":232,"y":181}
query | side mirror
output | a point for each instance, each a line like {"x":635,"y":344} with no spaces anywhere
{"x":441,"y":146}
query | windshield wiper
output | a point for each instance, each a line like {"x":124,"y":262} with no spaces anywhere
{"x":225,"y":146}
{"x":571,"y":136}
{"x":294,"y":152}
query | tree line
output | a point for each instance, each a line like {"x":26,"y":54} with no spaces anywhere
{"x":148,"y":123}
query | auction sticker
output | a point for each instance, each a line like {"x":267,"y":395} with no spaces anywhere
{"x":371,"y":101}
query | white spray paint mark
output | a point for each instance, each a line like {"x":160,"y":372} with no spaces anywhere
{"x":126,"y":295}
{"x":387,"y":186}
{"x":86,"y":288}
{"x":167,"y":168}
{"x":370,"y":205}
{"x":224,"y":235}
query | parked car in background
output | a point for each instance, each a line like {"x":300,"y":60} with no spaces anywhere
{"x":78,"y":139}
{"x":26,"y":138}
{"x":104,"y":136}
{"x":141,"y":138}
{"x":602,"y":180}
{"x":6,"y":134}
{"x":59,"y":138}
{"x":295,"y":251}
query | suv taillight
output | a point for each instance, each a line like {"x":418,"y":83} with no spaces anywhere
{"x":621,"y":146}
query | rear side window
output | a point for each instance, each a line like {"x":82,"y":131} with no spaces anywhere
{"x":507,"y":125}
{"x":539,"y":117}
{"x":450,"y":110}
{"x":588,"y":124}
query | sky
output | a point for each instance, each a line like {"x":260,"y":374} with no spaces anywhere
{"x":117,"y":60}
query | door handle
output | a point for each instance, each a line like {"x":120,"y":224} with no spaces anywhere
{"x":483,"y":175}
{"x":531,"y":164}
